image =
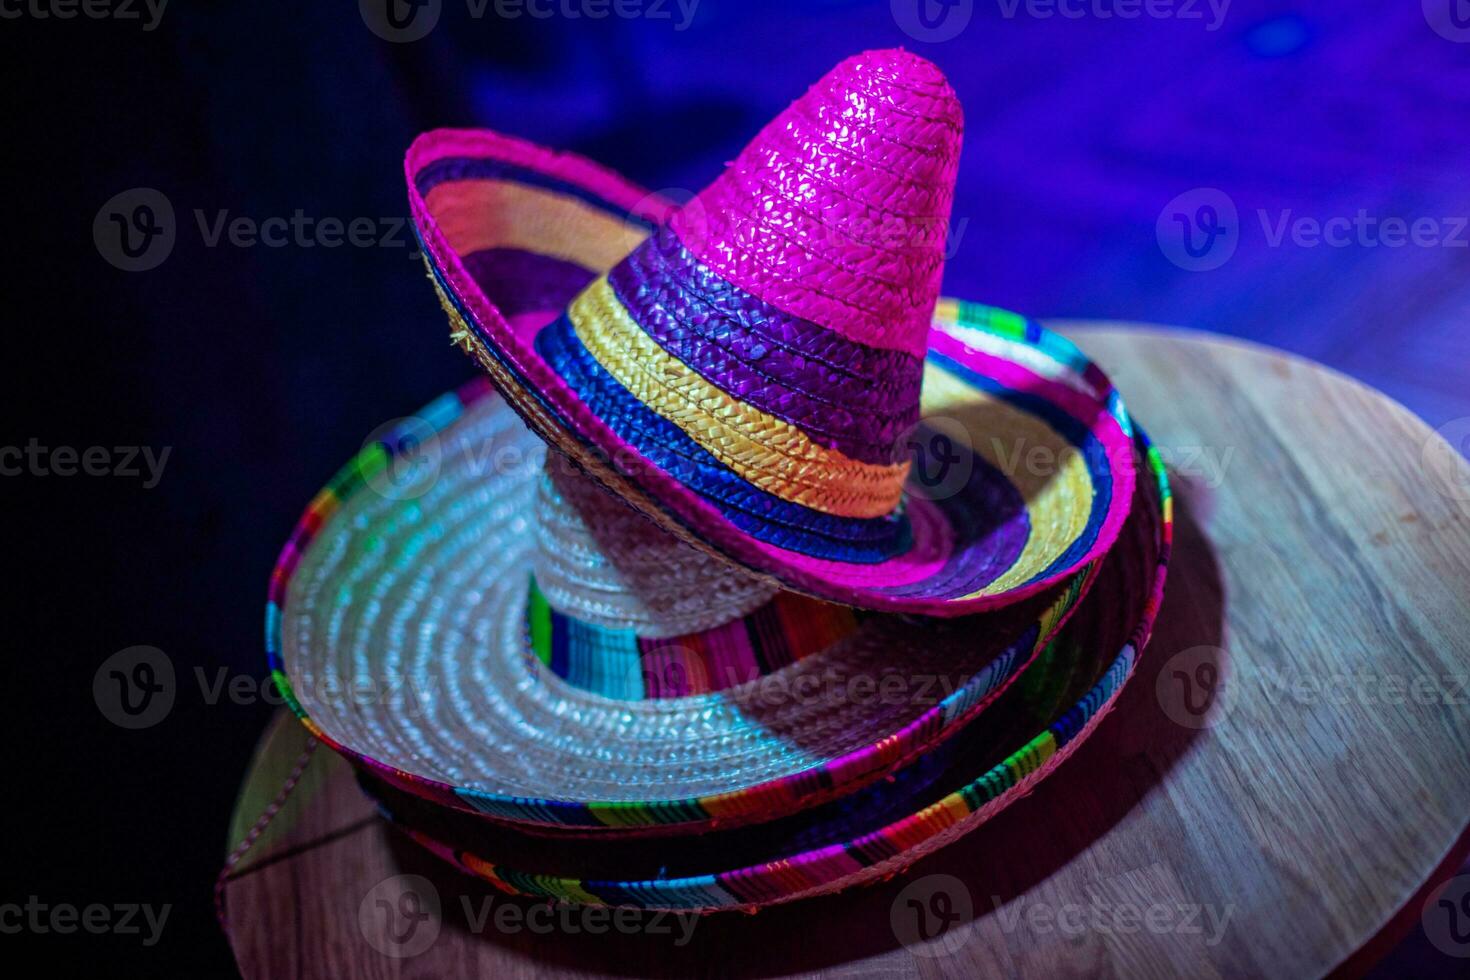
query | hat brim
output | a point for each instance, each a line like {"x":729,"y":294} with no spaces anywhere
{"x":396,"y":631}
{"x":877,"y":832}
{"x":511,"y":232}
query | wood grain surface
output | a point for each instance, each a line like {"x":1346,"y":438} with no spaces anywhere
{"x":1287,"y":769}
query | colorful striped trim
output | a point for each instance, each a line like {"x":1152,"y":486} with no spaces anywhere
{"x":833,"y":867}
{"x":766,"y":451}
{"x":466,"y":168}
{"x":620,"y":664}
{"x":1076,"y":496}
{"x":751,"y":508}
{"x":509,"y":351}
{"x":480,"y":215}
{"x":859,"y":400}
{"x":784,"y":794}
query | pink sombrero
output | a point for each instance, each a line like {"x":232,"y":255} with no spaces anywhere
{"x":757,"y":370}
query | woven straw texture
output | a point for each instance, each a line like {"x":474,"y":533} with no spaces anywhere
{"x":749,"y":375}
{"x":399,"y":629}
{"x":875,"y":832}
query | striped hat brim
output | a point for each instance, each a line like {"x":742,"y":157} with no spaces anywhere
{"x":401,"y":628}
{"x":877,"y":832}
{"x":1022,"y":462}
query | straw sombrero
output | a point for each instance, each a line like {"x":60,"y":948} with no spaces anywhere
{"x":509,"y":640}
{"x":748,"y":369}
{"x":874,"y":832}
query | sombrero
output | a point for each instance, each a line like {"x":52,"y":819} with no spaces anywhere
{"x":506,"y":639}
{"x":874,"y":832}
{"x":747,"y":369}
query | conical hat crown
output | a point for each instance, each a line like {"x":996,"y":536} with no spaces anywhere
{"x":780,"y":318}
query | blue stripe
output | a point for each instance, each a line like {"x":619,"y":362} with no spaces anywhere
{"x":1075,"y":432}
{"x":758,"y":513}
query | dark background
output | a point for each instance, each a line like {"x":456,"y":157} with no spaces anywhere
{"x":262,"y":368}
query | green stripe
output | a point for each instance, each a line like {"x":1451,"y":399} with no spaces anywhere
{"x":538,"y":615}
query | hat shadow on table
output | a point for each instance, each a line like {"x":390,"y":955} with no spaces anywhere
{"x":1139,"y":743}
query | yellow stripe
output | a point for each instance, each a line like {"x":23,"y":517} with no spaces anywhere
{"x":767,"y":452}
{"x":620,"y":814}
{"x":481,"y":214}
{"x":1048,"y":470}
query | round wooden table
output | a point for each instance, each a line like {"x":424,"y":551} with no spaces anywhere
{"x":1282,"y":790}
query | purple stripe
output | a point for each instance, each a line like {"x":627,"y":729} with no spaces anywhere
{"x":525,"y":282}
{"x":988,"y":516}
{"x":776,"y":362}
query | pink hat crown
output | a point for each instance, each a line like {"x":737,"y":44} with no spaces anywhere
{"x":769,"y":340}
{"x":838,"y":211}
